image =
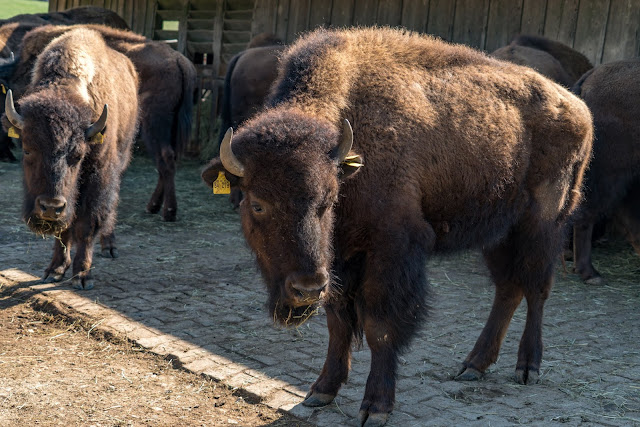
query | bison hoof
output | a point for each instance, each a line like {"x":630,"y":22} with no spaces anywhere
{"x":595,"y":280}
{"x":153,"y":209}
{"x":110,"y":253}
{"x":52,"y":278}
{"x":527,"y":376}
{"x":314,"y":400}
{"x":169,"y":215}
{"x":82,"y":284}
{"x":377,"y":419}
{"x":467,"y":373}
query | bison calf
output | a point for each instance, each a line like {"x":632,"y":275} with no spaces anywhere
{"x":448,"y":150}
{"x":77,"y":126}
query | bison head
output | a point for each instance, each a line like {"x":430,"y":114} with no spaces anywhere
{"x":55,"y":135}
{"x":289,"y":167}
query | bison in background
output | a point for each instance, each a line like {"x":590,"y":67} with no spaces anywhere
{"x":611,"y":91}
{"x":13,"y":30}
{"x":75,"y":147}
{"x":166,"y":95}
{"x":449,"y":150}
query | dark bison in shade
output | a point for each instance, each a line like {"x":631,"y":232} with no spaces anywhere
{"x":611,"y":91}
{"x":448,"y":149}
{"x":553,"y":59}
{"x":246,"y":85}
{"x":75,"y":147}
{"x":166,"y":95}
{"x":13,"y":30}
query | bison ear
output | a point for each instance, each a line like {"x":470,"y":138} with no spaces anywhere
{"x":350,"y":165}
{"x":212,"y":170}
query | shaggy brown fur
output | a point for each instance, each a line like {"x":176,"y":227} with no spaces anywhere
{"x":73,"y":78}
{"x":166,"y":95}
{"x":460,"y":150}
{"x":611,"y":91}
{"x":13,"y":30}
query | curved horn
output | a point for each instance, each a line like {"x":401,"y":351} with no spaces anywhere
{"x":347,"y":141}
{"x":12,"y":57}
{"x":228,"y":159}
{"x":10,"y":110}
{"x":99,"y":125}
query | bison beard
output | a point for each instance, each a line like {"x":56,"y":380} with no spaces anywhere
{"x":451,"y":150}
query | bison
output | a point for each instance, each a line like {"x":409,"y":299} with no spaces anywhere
{"x":13,"y":30}
{"x":166,"y":95}
{"x":380,"y":149}
{"x":75,"y":148}
{"x":611,"y":92}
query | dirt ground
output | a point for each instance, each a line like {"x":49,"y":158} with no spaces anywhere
{"x":197,"y":280}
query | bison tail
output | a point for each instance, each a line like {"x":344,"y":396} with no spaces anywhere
{"x":185,"y":111}
{"x":225,"y":113}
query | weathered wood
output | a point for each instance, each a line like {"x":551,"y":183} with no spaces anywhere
{"x":562,"y":17}
{"x":503,"y":23}
{"x":623,"y":31}
{"x":440,"y":20}
{"x":533,"y":17}
{"x":415,"y":14}
{"x":389,"y":12}
{"x":470,"y":22}
{"x":298,"y":18}
{"x":282,"y":18}
{"x":365,"y":12}
{"x":342,"y":13}
{"x":591,"y":28}
{"x":320,"y":13}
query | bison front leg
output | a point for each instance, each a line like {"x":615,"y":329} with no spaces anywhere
{"x":61,"y":258}
{"x":582,"y":265}
{"x":82,"y":277}
{"x":336,"y":367}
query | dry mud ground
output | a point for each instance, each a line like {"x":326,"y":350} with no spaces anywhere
{"x":194,"y":280}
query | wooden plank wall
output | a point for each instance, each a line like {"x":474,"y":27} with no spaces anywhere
{"x":603,"y":30}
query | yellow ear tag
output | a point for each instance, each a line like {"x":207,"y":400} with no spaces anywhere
{"x":354,"y":161}
{"x":12,"y":133}
{"x":221,"y":185}
{"x":97,"y":138}
{"x":4,"y":89}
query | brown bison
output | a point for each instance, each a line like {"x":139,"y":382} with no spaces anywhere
{"x":449,"y":150}
{"x":13,"y":30}
{"x":166,"y":95}
{"x":75,"y":147}
{"x":553,"y":59}
{"x":611,"y":91}
{"x":246,"y":85}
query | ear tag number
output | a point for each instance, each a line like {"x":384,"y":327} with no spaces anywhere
{"x":97,"y":138}
{"x":12,"y":133}
{"x":221,"y":185}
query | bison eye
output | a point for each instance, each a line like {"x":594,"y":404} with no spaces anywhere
{"x":256,"y":207}
{"x":26,"y":152}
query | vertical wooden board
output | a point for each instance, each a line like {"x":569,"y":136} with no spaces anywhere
{"x":590,"y":28}
{"x":470,"y":21}
{"x":365,"y":12}
{"x":503,"y":23}
{"x":298,"y":18}
{"x":415,"y":14}
{"x":440,"y":19}
{"x":264,"y":17}
{"x":320,"y":13}
{"x":150,"y":15}
{"x":342,"y":13}
{"x":561,"y":19}
{"x":389,"y":12}
{"x":622,"y":38}
{"x":282,"y":19}
{"x":533,"y":17}
{"x":121,"y":5}
{"x":139,"y":16}
{"x":128,"y":13}
{"x":53,"y":6}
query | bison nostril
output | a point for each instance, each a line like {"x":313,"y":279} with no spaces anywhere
{"x":59,"y":210}
{"x":43,"y":208}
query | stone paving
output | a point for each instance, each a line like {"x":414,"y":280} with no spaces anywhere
{"x":190,"y":291}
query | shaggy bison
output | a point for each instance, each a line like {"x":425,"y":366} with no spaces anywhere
{"x":13,"y":30}
{"x":611,"y":91}
{"x":75,"y":147}
{"x":166,"y":95}
{"x":449,"y":149}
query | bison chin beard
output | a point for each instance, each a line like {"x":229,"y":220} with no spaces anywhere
{"x":288,"y":315}
{"x":46,"y":227}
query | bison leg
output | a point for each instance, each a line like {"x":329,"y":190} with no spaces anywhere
{"x":82,"y":278}
{"x":155,"y":202}
{"x":582,"y":234}
{"x":336,"y":366}
{"x":168,"y":175}
{"x":61,"y":258}
{"x":108,"y":245}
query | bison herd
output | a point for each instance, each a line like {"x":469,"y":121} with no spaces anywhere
{"x":353,"y":155}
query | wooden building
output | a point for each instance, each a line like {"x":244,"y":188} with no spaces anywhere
{"x":210,"y":32}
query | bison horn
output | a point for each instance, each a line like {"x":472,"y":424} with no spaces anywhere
{"x":12,"y":57}
{"x":346,"y":143}
{"x":99,"y":125}
{"x":13,"y":116}
{"x":228,"y":159}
